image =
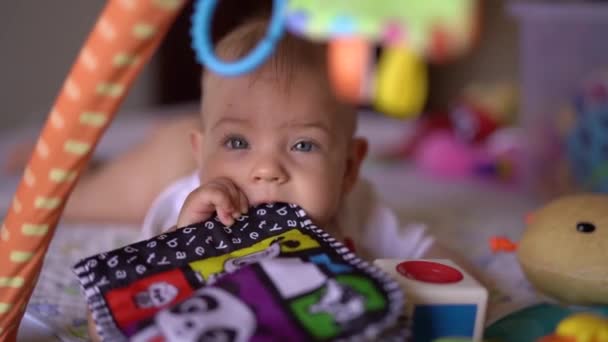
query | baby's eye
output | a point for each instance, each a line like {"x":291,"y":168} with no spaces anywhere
{"x":236,"y":143}
{"x":304,"y":146}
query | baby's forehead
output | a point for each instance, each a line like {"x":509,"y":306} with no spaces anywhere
{"x":307,"y":81}
{"x":308,"y":97}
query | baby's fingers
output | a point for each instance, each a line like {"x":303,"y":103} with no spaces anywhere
{"x":221,"y":196}
{"x":229,"y":205}
{"x":226,"y":217}
{"x":225,"y":204}
{"x":243,"y":203}
{"x":202,"y":203}
{"x":241,"y":206}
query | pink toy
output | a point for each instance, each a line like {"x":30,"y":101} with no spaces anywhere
{"x":442,"y":154}
{"x":467,"y":142}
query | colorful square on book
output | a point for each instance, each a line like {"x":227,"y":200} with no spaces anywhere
{"x":143,"y":298}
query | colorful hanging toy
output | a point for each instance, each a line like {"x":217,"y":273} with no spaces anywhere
{"x":409,"y":30}
{"x":123,"y":40}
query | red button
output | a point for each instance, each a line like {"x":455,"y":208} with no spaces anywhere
{"x":429,"y":272}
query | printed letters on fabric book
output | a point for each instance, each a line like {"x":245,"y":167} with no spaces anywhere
{"x":272,"y":276}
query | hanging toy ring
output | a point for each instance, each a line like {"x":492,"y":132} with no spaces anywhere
{"x":203,"y":46}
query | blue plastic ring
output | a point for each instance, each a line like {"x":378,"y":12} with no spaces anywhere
{"x":203,"y":47}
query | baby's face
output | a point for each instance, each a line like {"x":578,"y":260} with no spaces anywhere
{"x":277,"y":144}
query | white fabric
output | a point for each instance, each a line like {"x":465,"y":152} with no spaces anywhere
{"x":372,"y":226}
{"x":165,"y":209}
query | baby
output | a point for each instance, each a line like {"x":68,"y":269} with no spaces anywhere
{"x":279,"y":135}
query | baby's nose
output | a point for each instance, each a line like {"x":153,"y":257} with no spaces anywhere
{"x":269,"y":172}
{"x":268,"y":178}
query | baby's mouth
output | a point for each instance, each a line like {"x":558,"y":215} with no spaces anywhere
{"x":264,"y":198}
{"x":263,"y":201}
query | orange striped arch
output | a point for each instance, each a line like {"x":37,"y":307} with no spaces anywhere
{"x":122,"y":41}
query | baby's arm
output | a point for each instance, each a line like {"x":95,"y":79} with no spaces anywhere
{"x":123,"y":189}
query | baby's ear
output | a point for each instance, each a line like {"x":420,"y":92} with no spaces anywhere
{"x":356,"y":154}
{"x":196,"y":142}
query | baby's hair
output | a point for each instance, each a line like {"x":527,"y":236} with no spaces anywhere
{"x":291,"y":54}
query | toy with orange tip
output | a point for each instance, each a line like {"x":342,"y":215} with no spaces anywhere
{"x":564,"y":249}
{"x":502,"y":244}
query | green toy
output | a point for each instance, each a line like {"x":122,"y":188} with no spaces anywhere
{"x":411,"y":31}
{"x":434,"y":29}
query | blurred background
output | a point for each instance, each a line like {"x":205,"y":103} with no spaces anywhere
{"x":40,"y":40}
{"x":512,"y":104}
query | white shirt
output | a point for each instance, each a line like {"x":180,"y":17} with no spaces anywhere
{"x":371,"y":226}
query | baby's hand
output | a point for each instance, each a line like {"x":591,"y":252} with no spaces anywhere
{"x":220,"y":195}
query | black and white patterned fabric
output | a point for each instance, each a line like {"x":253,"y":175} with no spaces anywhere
{"x":272,"y":276}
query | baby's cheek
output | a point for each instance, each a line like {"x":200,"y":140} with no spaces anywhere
{"x":320,"y":198}
{"x":220,"y":165}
